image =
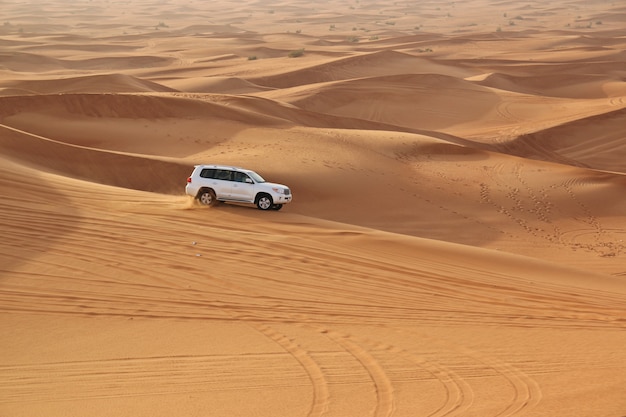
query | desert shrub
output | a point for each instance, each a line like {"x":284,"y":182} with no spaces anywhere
{"x":252,"y":58}
{"x":297,"y":53}
{"x":353,"y":39}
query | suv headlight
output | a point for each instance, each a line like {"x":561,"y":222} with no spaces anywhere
{"x":279,"y":190}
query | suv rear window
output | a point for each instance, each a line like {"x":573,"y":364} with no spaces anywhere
{"x":208,"y":173}
{"x":217,"y":174}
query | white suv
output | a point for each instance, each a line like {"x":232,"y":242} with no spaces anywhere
{"x":213,"y":183}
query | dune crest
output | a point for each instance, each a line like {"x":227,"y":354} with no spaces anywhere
{"x":111,"y":83}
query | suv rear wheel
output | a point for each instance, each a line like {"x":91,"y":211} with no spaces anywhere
{"x":207,"y":197}
{"x":264,"y":202}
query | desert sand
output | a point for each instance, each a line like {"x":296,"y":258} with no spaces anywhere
{"x":455,"y":246}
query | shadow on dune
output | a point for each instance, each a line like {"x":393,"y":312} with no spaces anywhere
{"x":34,"y":215}
{"x":107,"y":83}
{"x":595,"y":142}
{"x":21,"y":61}
{"x":238,"y":112}
{"x":406,"y":101}
{"x":123,"y":106}
{"x":573,"y":86}
{"x":116,"y":169}
{"x":382,"y":63}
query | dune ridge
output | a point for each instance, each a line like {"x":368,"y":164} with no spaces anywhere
{"x":571,"y":144}
{"x":90,"y":165}
{"x":112,"y":83}
{"x":455,"y":246}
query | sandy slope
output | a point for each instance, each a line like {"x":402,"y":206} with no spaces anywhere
{"x":455,"y":245}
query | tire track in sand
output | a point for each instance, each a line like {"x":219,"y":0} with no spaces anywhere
{"x":527,"y":393}
{"x":133,"y":376}
{"x":320,"y":385}
{"x":385,"y":403}
{"x":459,"y":394}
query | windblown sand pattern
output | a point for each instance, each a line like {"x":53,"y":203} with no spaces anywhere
{"x":455,"y":246}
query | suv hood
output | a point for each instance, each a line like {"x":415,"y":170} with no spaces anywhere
{"x":273,"y":184}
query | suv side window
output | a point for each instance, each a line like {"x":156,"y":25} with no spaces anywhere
{"x":239,"y":176}
{"x":223,"y":174}
{"x":208,"y":173}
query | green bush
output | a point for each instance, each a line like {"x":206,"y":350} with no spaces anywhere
{"x":297,"y":53}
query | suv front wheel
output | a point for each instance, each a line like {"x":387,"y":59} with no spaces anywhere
{"x":264,"y":202}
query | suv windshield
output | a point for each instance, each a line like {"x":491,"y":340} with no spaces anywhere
{"x":256,"y":177}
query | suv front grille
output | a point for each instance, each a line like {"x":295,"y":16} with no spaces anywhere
{"x":287,"y":191}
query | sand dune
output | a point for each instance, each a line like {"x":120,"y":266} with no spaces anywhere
{"x":455,"y":246}
{"x":403,"y":100}
{"x":602,"y":148}
{"x":111,"y":83}
{"x":375,"y":64}
{"x":580,"y":86}
{"x":217,"y":85}
{"x":92,"y":165}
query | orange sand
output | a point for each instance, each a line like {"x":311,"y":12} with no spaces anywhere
{"x":455,"y":246}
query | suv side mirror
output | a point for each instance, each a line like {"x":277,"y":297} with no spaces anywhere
{"x":248,"y":180}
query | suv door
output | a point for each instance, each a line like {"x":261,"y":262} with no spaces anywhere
{"x":220,"y":181}
{"x":242,"y":187}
